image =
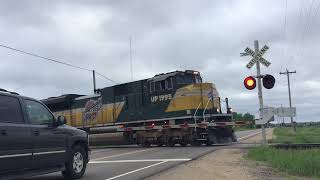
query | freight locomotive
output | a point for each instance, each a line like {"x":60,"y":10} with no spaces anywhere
{"x":167,"y":109}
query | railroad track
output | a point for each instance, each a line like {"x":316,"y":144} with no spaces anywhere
{"x":296,"y":146}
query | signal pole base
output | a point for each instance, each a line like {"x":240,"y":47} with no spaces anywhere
{"x":264,"y":136}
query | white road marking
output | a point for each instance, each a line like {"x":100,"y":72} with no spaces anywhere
{"x":138,"y":160}
{"x":102,"y":150}
{"x":117,"y":155}
{"x":250,"y":135}
{"x":130,"y":172}
{"x":49,"y":152}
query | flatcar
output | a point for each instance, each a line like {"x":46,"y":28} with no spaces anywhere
{"x":167,"y":109}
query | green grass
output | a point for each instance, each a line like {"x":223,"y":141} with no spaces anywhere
{"x":302,"y":135}
{"x":295,"y":162}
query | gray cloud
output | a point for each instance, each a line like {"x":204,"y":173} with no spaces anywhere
{"x":168,"y":35}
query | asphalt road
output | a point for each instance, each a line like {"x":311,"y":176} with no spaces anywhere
{"x":132,"y":162}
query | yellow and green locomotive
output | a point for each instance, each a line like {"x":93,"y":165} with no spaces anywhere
{"x":167,"y":109}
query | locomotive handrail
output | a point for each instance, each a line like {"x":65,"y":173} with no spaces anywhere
{"x":115,"y":108}
{"x":195,"y":113}
{"x":204,"y":118}
{"x":194,"y":117}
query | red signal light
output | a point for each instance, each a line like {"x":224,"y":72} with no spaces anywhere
{"x":250,"y":82}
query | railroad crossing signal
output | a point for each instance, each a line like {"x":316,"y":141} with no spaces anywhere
{"x":268,"y":81}
{"x":257,"y":59}
{"x":250,"y":82}
{"x":256,"y":56}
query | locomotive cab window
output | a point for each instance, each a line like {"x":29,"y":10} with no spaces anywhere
{"x":158,"y":86}
{"x":163,"y":85}
{"x":152,"y":86}
{"x":185,"y":79}
{"x":169,"y":83}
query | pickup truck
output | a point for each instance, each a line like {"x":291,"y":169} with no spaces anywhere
{"x":34,"y":142}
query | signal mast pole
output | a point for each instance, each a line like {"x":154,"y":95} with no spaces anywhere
{"x":256,"y":48}
{"x":94,"y":81}
{"x":131,"y":58}
{"x":268,"y":83}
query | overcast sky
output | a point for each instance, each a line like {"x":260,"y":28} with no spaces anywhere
{"x":167,"y":35}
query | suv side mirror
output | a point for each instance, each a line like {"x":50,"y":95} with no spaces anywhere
{"x":61,"y":120}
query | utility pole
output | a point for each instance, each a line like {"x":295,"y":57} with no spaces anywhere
{"x":282,"y":124}
{"x":290,"y":104}
{"x":94,"y":81}
{"x":256,"y":48}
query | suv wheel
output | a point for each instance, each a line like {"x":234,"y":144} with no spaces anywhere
{"x":76,"y":165}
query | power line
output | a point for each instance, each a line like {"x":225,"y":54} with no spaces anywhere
{"x":284,"y":28}
{"x":56,"y":61}
{"x":307,"y":20}
{"x":300,"y":19}
{"x":42,"y":57}
{"x":308,"y":12}
{"x":285,"y":21}
{"x":315,"y":15}
{"x":107,"y":78}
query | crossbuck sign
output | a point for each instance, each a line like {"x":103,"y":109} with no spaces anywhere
{"x":257,"y":56}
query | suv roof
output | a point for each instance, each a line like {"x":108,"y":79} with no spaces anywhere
{"x":8,"y":93}
{"x":5,"y":91}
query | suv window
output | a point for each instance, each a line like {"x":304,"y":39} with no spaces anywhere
{"x":37,"y":113}
{"x":10,"y":110}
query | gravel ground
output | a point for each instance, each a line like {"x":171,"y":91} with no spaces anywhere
{"x":224,"y":164}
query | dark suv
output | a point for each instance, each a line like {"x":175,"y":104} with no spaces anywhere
{"x":34,"y":142}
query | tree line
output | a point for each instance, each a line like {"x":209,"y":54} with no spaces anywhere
{"x":243,"y":117}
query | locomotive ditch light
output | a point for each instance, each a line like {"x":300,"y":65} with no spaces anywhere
{"x":250,"y":83}
{"x":192,"y":72}
{"x":268,"y":81}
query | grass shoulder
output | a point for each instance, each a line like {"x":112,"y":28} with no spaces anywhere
{"x":295,"y":162}
{"x":302,"y":135}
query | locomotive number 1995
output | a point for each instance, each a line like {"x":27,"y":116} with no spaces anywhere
{"x":161,"y":98}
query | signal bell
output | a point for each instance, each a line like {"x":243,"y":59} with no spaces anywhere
{"x":250,"y":82}
{"x":268,"y":81}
